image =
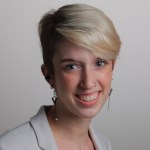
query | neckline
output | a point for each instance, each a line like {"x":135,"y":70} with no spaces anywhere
{"x":44,"y":134}
{"x":47,"y":109}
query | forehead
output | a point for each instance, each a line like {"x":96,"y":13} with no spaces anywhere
{"x":66,"y":48}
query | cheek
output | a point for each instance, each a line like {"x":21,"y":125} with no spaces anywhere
{"x":106,"y":78}
{"x":67,"y":81}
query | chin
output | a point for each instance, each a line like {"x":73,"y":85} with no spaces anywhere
{"x":89,"y":113}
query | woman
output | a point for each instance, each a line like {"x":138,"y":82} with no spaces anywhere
{"x":80,"y":46}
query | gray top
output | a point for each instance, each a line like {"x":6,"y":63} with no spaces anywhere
{"x":36,"y":134}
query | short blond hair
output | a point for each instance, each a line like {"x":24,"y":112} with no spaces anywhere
{"x":81,"y":24}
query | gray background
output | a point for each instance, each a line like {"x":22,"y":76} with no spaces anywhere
{"x":23,"y":89}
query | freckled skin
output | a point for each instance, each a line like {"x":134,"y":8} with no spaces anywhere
{"x":80,"y":78}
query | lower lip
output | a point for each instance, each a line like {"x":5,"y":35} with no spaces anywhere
{"x":89,"y":103}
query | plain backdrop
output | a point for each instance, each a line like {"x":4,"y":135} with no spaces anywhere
{"x":23,"y":89}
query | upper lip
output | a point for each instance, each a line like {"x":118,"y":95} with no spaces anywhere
{"x":88,"y":93}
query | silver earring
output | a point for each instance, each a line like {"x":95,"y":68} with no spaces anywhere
{"x":54,"y":98}
{"x":109,"y":98}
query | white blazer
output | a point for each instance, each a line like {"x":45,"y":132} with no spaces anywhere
{"x":36,"y":134}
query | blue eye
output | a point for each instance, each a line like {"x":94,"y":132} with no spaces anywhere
{"x":71,"y":67}
{"x":101,"y":63}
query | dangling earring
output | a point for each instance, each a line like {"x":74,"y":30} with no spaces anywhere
{"x":109,"y":98}
{"x":54,"y":98}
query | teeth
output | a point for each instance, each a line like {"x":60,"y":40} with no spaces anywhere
{"x":89,"y":97}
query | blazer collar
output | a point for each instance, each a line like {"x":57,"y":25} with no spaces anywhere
{"x":43,"y":132}
{"x":45,"y":138}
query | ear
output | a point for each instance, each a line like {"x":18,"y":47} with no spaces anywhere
{"x":45,"y":72}
{"x":47,"y":75}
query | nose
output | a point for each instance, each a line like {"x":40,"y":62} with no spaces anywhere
{"x":88,"y":79}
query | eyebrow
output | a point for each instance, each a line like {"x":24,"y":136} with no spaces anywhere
{"x":67,"y":60}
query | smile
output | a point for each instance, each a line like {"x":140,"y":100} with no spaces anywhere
{"x":89,"y":97}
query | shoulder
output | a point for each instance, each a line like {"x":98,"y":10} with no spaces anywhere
{"x":100,"y":139}
{"x":32,"y":135}
{"x":19,"y":138}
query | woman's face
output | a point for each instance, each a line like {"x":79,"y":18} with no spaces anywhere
{"x":82,"y":80}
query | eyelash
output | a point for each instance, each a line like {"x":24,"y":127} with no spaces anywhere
{"x":101,"y":63}
{"x":71,"y":67}
{"x":75,"y":67}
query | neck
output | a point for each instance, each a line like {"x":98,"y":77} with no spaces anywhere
{"x":69,"y":126}
{"x":70,"y":131}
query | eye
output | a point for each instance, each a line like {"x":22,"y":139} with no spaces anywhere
{"x":101,"y":63}
{"x":71,"y":67}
